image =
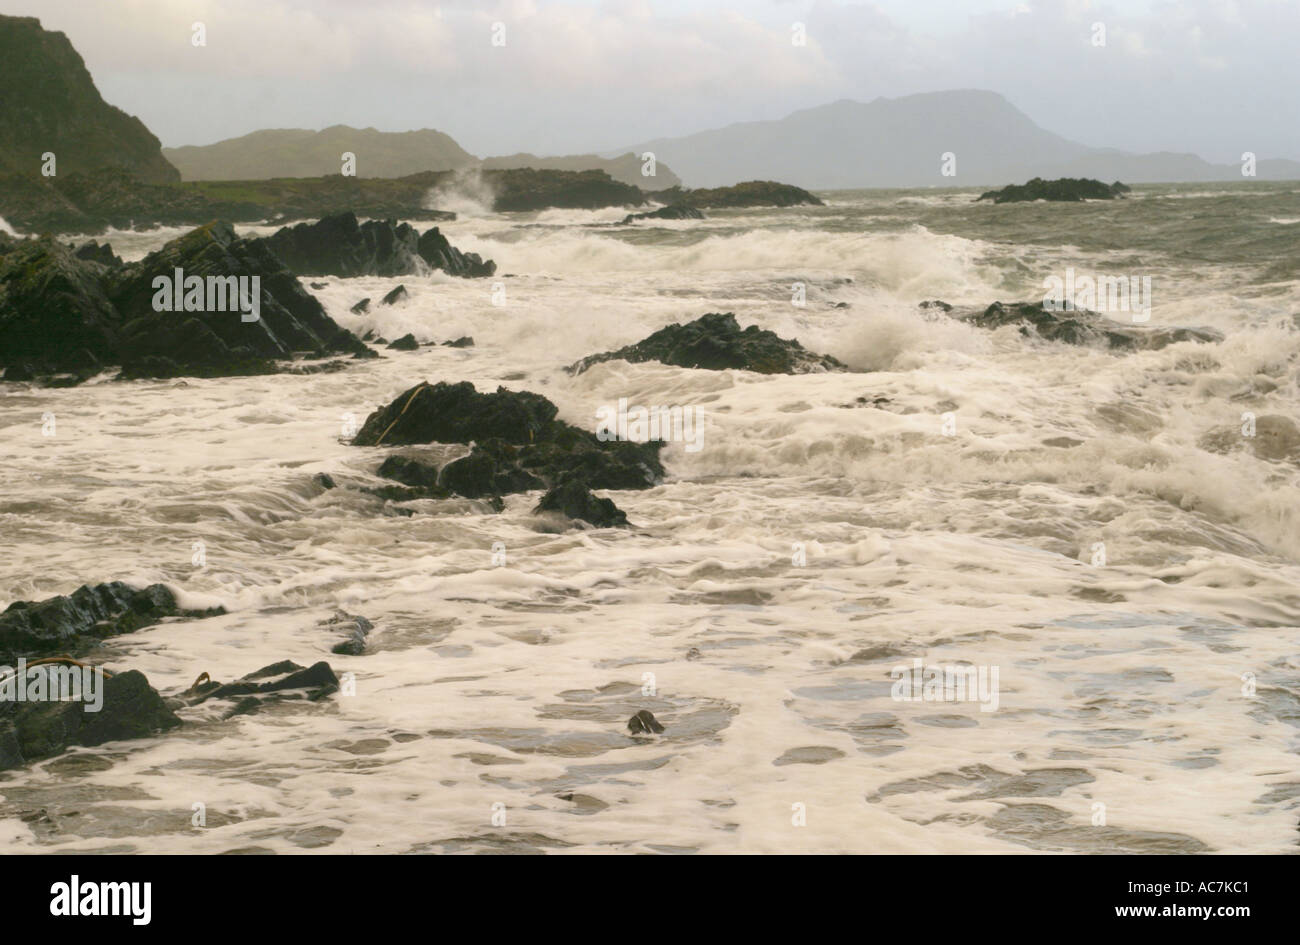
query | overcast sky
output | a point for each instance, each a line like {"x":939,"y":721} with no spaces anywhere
{"x":1215,"y":77}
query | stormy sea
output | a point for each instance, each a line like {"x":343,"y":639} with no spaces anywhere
{"x":1101,"y":541}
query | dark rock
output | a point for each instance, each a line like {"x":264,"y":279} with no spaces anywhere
{"x":440,"y":254}
{"x":275,"y":683}
{"x":361,"y":308}
{"x":356,"y":629}
{"x":131,"y":708}
{"x":1080,"y":327}
{"x":19,"y":372}
{"x":338,"y":245}
{"x":644,"y":723}
{"x":324,"y":480}
{"x":491,"y":469}
{"x":532,"y":189}
{"x":457,"y":413}
{"x":574,"y":500}
{"x":1276,"y":438}
{"x":53,"y":307}
{"x":405,"y":343}
{"x":519,"y":445}
{"x":396,"y":295}
{"x":1062,"y":189}
{"x":216,"y":343}
{"x":74,"y":623}
{"x":465,"y":341}
{"x":92,"y":252}
{"x":751,"y":193}
{"x":715,"y":342}
{"x":319,"y":285}
{"x":673,"y":212}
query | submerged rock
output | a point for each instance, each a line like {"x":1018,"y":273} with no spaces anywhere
{"x":30,"y":731}
{"x":278,"y":682}
{"x":1078,"y":327}
{"x":75,"y":622}
{"x":339,"y":245}
{"x":396,"y":295}
{"x":644,"y":723}
{"x":716,"y":342}
{"x":1271,"y":437}
{"x":672,"y":212}
{"x":1064,"y":188}
{"x":356,"y":630}
{"x":574,"y":500}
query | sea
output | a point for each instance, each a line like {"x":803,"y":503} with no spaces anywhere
{"x":981,"y":593}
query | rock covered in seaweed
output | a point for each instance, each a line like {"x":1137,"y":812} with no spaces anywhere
{"x":716,"y":342}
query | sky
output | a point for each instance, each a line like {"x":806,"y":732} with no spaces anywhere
{"x":1213,"y":77}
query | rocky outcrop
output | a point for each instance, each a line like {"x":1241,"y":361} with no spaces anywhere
{"x":278,"y":682}
{"x":574,"y":500}
{"x":1076,"y":327}
{"x":531,"y":189}
{"x":76,"y":622}
{"x":92,"y":251}
{"x":50,"y":105}
{"x":672,"y":212}
{"x":338,"y":245}
{"x":751,"y":193}
{"x":1270,"y":437}
{"x":518,"y":445}
{"x":32,"y":730}
{"x":716,"y":342}
{"x":1061,"y":189}
{"x":59,"y":313}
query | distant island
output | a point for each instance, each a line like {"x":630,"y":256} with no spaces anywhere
{"x":1062,"y":189}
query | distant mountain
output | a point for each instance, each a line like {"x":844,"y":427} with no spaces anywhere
{"x":626,"y":168}
{"x":49,"y":103}
{"x":297,"y":152}
{"x":901,"y":142}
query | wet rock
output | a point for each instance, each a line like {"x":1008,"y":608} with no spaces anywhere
{"x":338,"y":245}
{"x":519,"y":445}
{"x":465,"y":341}
{"x":324,"y":480}
{"x":644,"y":723}
{"x":131,"y":708}
{"x":1276,"y":438}
{"x":440,"y":254}
{"x":355,"y":628}
{"x":319,"y":285}
{"x":278,"y":682}
{"x":405,"y":343}
{"x":574,"y":500}
{"x":1061,"y":189}
{"x":92,"y":251}
{"x":19,"y":372}
{"x":419,"y":480}
{"x":396,"y":295}
{"x":716,"y":342}
{"x":361,"y":307}
{"x":53,"y":307}
{"x":1080,"y":327}
{"x":75,"y":622}
{"x":672,"y":212}
{"x":527,"y":188}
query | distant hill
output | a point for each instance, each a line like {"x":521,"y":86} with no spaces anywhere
{"x":626,"y":168}
{"x":297,"y":152}
{"x":49,"y":103}
{"x":900,"y":143}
